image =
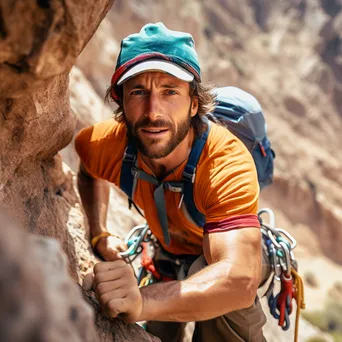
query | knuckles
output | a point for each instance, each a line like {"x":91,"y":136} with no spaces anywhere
{"x":98,"y":278}
{"x":103,"y":298}
{"x":129,"y":270}
{"x":101,"y":288}
{"x":115,"y":307}
{"x":98,"y":267}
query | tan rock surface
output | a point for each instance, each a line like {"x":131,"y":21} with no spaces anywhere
{"x":88,"y":108}
{"x":39,"y":42}
{"x":41,"y":302}
{"x":39,"y":299}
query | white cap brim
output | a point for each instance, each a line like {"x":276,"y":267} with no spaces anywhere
{"x":157,"y":65}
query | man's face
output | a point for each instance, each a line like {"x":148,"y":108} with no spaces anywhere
{"x":158,"y":111}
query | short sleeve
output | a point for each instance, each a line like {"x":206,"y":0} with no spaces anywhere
{"x":100,"y":148}
{"x":228,"y":188}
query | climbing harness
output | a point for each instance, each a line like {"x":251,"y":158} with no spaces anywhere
{"x":286,"y":279}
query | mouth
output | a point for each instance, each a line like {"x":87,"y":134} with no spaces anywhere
{"x":154,"y":131}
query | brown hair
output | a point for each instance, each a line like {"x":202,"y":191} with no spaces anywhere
{"x":204,"y":93}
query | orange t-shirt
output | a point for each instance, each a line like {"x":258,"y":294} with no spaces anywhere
{"x":226,"y":188}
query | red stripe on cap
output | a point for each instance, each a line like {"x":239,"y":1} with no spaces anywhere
{"x":234,"y":222}
{"x":133,"y":61}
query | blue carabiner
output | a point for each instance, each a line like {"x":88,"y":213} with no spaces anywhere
{"x":273,"y":307}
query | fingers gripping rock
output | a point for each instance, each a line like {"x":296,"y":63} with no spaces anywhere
{"x":88,"y":282}
{"x":117,"y":290}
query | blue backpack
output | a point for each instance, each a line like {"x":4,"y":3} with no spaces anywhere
{"x":237,"y":110}
{"x":241,"y":113}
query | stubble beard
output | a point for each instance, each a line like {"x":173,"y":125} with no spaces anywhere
{"x":150,"y":148}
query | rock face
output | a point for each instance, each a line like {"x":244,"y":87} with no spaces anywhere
{"x":39,"y":43}
{"x":40,"y":301}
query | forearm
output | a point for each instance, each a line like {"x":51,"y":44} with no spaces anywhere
{"x":94,"y":195}
{"x":214,"y":291}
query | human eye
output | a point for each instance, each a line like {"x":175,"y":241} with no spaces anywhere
{"x":170,"y":92}
{"x":138,"y":92}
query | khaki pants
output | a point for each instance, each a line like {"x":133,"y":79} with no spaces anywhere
{"x":237,"y":326}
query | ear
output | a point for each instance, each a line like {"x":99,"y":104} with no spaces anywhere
{"x":194,"y":106}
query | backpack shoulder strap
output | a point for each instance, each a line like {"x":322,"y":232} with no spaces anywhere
{"x":126,"y":176}
{"x":189,"y":175}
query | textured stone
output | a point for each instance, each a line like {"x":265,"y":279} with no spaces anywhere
{"x":40,"y":301}
{"x":41,"y":39}
{"x":39,"y":43}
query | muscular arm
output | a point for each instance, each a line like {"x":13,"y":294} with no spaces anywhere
{"x":94,"y":194}
{"x":229,"y":282}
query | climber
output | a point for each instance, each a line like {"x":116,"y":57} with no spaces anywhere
{"x":159,"y":133}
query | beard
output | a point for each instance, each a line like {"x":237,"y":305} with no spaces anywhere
{"x":156,"y":148}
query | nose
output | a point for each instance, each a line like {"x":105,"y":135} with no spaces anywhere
{"x":153,"y":110}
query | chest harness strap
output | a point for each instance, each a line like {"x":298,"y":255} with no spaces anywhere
{"x":130,"y":174}
{"x":158,"y":194}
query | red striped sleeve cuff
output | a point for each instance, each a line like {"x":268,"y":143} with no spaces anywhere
{"x":234,"y":222}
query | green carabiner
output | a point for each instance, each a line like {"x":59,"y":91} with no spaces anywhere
{"x":280,"y":239}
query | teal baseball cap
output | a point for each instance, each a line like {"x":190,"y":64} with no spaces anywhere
{"x":156,"y":48}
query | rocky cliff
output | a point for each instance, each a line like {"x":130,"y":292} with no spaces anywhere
{"x":39,"y":43}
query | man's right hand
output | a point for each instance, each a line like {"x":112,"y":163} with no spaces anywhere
{"x":109,"y":248}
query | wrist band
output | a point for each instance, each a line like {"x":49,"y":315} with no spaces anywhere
{"x":96,"y":238}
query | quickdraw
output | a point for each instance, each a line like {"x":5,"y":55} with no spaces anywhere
{"x":139,"y":240}
{"x":280,"y":245}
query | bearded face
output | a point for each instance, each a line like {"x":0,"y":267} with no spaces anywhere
{"x":157,"y":110}
{"x":157,"y":139}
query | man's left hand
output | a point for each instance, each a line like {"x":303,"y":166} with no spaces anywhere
{"x":116,"y":289}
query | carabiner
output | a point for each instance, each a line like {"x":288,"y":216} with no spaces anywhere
{"x":271,"y":233}
{"x":271,"y":215}
{"x":289,"y":237}
{"x":134,"y":239}
{"x":287,"y":264}
{"x":276,"y":265}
